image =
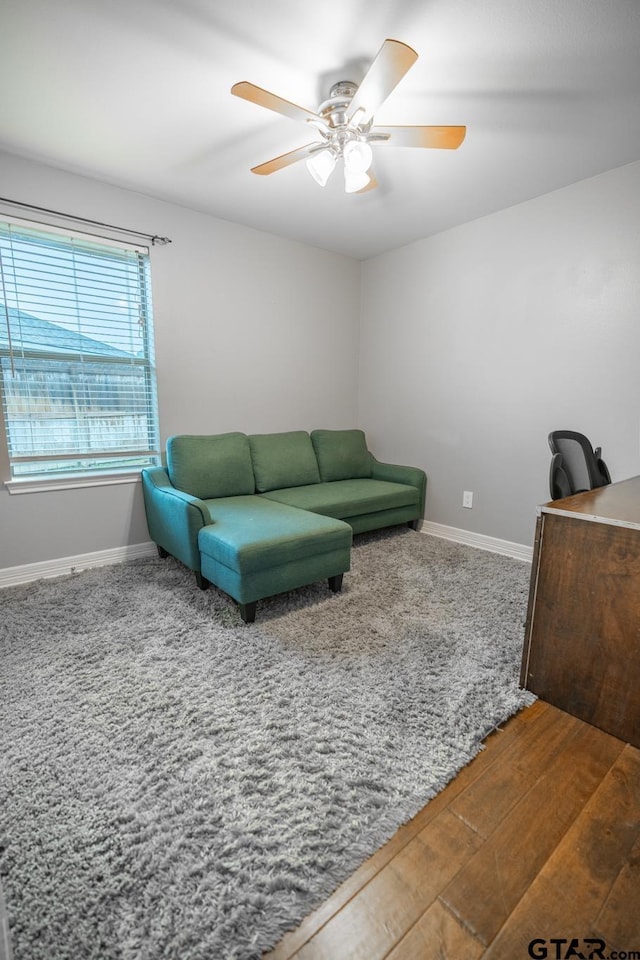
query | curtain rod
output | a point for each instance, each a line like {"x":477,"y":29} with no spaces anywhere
{"x":154,"y":238}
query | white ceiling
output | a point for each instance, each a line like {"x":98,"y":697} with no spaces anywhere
{"x":136,"y":93}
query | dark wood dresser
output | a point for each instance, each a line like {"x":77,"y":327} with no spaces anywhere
{"x":582,"y":639}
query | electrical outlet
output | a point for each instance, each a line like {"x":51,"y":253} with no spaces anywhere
{"x":467,"y":499}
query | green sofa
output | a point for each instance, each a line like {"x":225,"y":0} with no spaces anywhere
{"x":263,"y":514}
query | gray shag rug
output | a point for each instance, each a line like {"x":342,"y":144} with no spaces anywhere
{"x":176,"y":784}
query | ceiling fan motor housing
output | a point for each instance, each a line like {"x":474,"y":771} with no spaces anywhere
{"x":334,"y":112}
{"x":335,"y":108}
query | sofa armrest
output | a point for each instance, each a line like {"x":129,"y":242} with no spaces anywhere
{"x":396,"y":473}
{"x":174,"y":518}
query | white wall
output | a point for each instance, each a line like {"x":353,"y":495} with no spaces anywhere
{"x":243,"y":342}
{"x":475,"y":344}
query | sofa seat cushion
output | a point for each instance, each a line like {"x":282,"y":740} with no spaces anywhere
{"x":211,"y":466}
{"x":252,"y":533}
{"x":347,"y":498}
{"x":283,"y":460}
{"x":342,"y":454}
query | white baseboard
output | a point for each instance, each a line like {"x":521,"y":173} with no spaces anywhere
{"x":516,"y":550}
{"x":27,"y":572}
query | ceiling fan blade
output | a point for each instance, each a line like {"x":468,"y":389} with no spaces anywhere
{"x":287,"y":158}
{"x":446,"y":138}
{"x":252,"y":93}
{"x":392,"y":61}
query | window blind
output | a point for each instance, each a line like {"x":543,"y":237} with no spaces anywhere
{"x":76,"y":352}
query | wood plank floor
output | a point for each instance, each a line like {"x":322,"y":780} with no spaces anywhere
{"x":537,"y":838}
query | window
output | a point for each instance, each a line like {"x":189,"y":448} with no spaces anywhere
{"x":76,"y":353}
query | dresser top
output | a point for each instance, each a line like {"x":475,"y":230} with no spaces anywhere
{"x":617,"y":503}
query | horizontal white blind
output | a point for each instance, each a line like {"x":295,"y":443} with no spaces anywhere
{"x":76,"y":353}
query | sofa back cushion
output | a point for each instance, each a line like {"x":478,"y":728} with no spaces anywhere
{"x":209,"y":467}
{"x":342,"y":454}
{"x":283,"y":460}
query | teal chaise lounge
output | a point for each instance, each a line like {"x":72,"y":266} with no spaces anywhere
{"x":263,"y":514}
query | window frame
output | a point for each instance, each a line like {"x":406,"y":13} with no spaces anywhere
{"x":35,"y":482}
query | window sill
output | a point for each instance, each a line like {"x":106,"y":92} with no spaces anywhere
{"x":71,"y":482}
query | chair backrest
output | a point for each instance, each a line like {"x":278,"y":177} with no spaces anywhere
{"x":575,"y":465}
{"x":559,"y":484}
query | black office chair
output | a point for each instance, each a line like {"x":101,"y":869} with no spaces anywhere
{"x":575,"y":465}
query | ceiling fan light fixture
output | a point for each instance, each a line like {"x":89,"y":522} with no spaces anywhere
{"x":354,"y":181}
{"x":321,"y":165}
{"x":358,"y":156}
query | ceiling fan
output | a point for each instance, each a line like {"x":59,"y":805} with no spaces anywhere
{"x":344,"y":124}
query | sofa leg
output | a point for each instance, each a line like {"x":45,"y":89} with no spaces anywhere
{"x":335,"y":583}
{"x":413,"y":524}
{"x":248,"y":611}
{"x":162,"y":553}
{"x":202,"y":582}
